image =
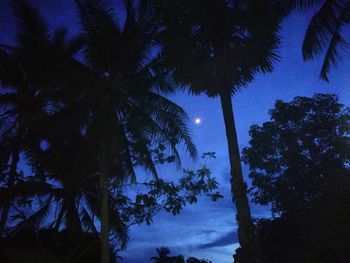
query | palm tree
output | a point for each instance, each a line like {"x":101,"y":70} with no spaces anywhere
{"x":25,"y":74}
{"x":163,"y":255}
{"x":217,"y":47}
{"x":127,"y":115}
{"x":38,"y":102}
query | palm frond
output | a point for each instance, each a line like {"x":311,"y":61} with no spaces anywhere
{"x":323,"y":32}
{"x":36,"y":218}
{"x":320,"y":31}
{"x":127,"y":159}
{"x":74,"y":45}
{"x":11,"y":75}
{"x":59,"y":38}
{"x":59,"y":217}
{"x":31,"y":27}
{"x":101,"y":33}
{"x":139,"y":145}
{"x":303,"y":4}
{"x":8,"y":99}
{"x":150,"y":76}
{"x":25,"y":189}
{"x":118,"y":227}
{"x":332,"y":57}
{"x":87,"y":221}
{"x":172,"y":118}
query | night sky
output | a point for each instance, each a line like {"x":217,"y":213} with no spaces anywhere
{"x":207,"y":230}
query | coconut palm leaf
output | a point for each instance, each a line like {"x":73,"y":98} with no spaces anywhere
{"x":32,"y":29}
{"x":88,"y":221}
{"x":100,"y":32}
{"x":324,"y":32}
{"x":40,"y":216}
{"x":27,"y":189}
{"x":302,"y":4}
{"x":119,"y":227}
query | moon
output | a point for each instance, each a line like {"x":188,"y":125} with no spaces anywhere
{"x":197,"y":121}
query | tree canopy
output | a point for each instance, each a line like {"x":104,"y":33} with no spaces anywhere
{"x":295,"y":156}
{"x":299,"y":164}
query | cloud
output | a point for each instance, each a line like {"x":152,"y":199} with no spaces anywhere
{"x":227,"y":239}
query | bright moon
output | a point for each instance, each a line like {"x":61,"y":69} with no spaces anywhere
{"x":197,"y":120}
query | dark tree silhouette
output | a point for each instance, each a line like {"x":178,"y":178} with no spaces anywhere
{"x":295,"y":156}
{"x":164,"y":257}
{"x":216,"y":48}
{"x":299,"y":164}
{"x":127,"y":116}
{"x":26,"y":73}
{"x":196,"y":260}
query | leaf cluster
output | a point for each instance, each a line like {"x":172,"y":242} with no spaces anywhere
{"x":294,"y":157}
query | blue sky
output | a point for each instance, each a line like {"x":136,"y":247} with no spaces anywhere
{"x":207,"y":230}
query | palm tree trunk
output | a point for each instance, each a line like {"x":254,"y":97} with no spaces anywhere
{"x":104,"y":215}
{"x":246,"y":229}
{"x":10,"y":185}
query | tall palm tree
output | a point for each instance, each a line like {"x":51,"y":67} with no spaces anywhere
{"x":127,"y":114}
{"x":217,"y":47}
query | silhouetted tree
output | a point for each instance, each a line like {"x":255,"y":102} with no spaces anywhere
{"x":299,"y":165}
{"x":127,"y":116}
{"x":295,"y":156}
{"x":217,"y":47}
{"x":27,"y":74}
{"x":196,"y":260}
{"x":163,"y":257}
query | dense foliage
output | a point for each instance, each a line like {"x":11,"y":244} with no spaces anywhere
{"x":299,"y":164}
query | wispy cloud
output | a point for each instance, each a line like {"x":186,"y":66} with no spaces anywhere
{"x":227,"y":239}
